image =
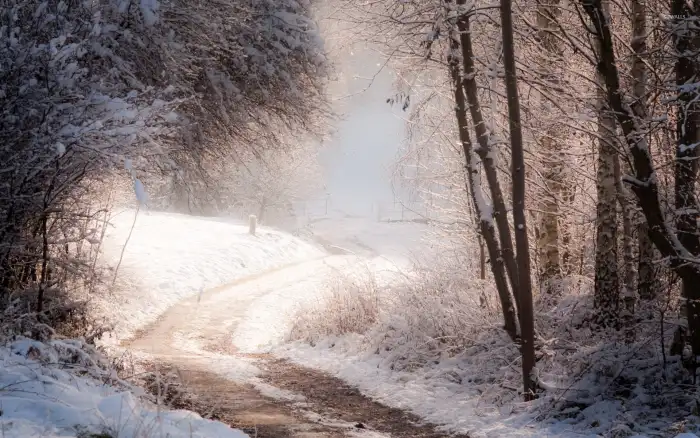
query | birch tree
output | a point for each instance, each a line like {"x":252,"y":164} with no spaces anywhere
{"x":551,"y":144}
{"x":607,"y":282}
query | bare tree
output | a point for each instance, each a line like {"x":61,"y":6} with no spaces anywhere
{"x":680,"y":248}
{"x":485,"y":150}
{"x":473,"y":161}
{"x":527,"y":317}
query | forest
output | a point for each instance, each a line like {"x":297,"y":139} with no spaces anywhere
{"x":553,"y":144}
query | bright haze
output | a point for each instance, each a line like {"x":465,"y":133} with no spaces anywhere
{"x":359,"y":158}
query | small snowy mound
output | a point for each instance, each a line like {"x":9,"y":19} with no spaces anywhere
{"x":59,"y":390}
{"x":169,"y":257}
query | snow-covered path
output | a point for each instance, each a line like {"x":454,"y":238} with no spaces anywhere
{"x":216,"y":340}
{"x":205,"y":338}
{"x":194,"y":324}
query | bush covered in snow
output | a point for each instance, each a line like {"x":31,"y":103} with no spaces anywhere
{"x":352,"y":305}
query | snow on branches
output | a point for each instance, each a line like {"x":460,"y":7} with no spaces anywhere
{"x":168,"y":86}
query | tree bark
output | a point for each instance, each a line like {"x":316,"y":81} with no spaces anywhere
{"x":485,"y":219}
{"x":484,"y":151}
{"x":647,"y":282}
{"x":607,"y":284}
{"x":527,"y":323}
{"x":551,"y":145}
{"x":646,"y":274}
{"x":607,"y":288}
{"x":627,"y":291}
{"x":568,"y":197}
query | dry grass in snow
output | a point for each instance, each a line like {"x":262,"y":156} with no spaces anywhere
{"x":352,"y":305}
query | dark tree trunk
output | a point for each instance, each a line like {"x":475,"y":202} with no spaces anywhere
{"x":527,"y":323}
{"x":483,"y":137}
{"x":646,"y":274}
{"x":485,"y":222}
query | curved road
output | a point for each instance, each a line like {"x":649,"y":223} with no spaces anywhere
{"x":264,"y":396}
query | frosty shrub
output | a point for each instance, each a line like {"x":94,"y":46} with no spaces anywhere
{"x":434,"y":315}
{"x":352,"y":304}
{"x":414,"y":318}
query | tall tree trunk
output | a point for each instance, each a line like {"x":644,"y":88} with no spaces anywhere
{"x":686,"y":166}
{"x":638,"y":72}
{"x":483,"y":211}
{"x":645,"y":184}
{"x":646,"y":274}
{"x":627,"y":292}
{"x":527,"y":320}
{"x":483,"y":137}
{"x":607,"y":284}
{"x":551,"y":145}
{"x":647,"y":281}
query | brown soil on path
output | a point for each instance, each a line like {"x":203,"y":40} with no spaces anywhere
{"x":327,"y":408}
{"x":321,"y":406}
{"x":240,"y":406}
{"x":336,"y":398}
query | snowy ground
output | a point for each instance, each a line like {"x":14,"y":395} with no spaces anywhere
{"x":401,"y":242}
{"x":170,"y":257}
{"x":439,"y":392}
{"x":59,"y":389}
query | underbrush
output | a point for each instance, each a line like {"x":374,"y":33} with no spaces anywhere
{"x":62,"y":316}
{"x":353,"y":305}
{"x":446,"y":333}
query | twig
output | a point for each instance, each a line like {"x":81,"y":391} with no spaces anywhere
{"x":121,"y":256}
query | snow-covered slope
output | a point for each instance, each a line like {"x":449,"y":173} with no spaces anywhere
{"x":59,"y":389}
{"x":169,"y":257}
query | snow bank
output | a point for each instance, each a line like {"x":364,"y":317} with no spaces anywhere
{"x":440,"y":396}
{"x":58,"y":389}
{"x":169,"y":257}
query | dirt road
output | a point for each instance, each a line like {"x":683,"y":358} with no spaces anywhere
{"x":191,"y":348}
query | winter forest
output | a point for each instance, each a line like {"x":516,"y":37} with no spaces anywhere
{"x":173,"y":262}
